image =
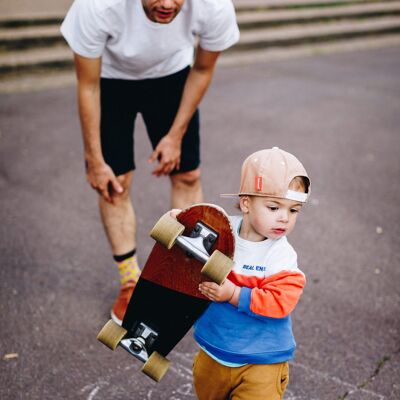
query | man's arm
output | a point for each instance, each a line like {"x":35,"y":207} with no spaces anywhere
{"x":99,"y":174}
{"x":199,"y":78}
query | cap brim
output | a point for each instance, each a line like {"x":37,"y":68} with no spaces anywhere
{"x":294,"y":196}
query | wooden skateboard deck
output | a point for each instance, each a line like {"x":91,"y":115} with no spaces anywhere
{"x":166,"y":301}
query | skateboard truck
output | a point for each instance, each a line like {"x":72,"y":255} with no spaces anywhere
{"x":199,"y":243}
{"x":168,"y":231}
{"x":140,"y":346}
{"x":143,"y":339}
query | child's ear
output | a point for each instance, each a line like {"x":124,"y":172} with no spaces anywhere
{"x":244,"y":202}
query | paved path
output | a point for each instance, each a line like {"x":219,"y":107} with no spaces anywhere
{"x":339,"y":113}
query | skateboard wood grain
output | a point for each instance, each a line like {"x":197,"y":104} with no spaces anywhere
{"x":175,"y":270}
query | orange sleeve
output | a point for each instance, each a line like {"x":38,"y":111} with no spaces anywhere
{"x":277,"y":295}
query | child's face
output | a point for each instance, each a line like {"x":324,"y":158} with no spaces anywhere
{"x":268,"y":217}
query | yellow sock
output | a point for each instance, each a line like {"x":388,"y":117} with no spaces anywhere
{"x":129,"y":270}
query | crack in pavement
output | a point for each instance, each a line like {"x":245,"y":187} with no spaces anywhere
{"x":352,"y":387}
{"x":366,"y":382}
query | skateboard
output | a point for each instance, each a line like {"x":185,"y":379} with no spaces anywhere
{"x":197,"y":246}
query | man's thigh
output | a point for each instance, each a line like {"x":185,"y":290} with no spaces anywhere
{"x":118,"y":113}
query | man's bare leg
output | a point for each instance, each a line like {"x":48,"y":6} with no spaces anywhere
{"x":120,"y":226}
{"x":119,"y":219}
{"x":186,"y":189}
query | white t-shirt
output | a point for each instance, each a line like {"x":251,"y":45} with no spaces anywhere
{"x":134,"y":47}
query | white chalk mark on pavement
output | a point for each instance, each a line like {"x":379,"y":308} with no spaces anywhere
{"x":183,"y":390}
{"x":93,"y":393}
{"x":182,"y":371}
{"x":94,"y":388}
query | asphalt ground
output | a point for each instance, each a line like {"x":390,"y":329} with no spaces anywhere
{"x":339,"y":113}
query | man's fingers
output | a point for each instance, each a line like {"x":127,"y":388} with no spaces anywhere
{"x":116,"y":186}
{"x":168,"y":168}
{"x":164,"y":168}
{"x":154,"y":156}
{"x":157,"y":171}
{"x":105,"y":194}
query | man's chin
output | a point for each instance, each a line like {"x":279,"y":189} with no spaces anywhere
{"x":163,"y":21}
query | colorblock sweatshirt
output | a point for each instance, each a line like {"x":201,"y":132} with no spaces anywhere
{"x":259,"y":330}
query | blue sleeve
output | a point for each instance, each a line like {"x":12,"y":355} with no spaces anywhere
{"x":244,"y":300}
{"x":244,"y":306}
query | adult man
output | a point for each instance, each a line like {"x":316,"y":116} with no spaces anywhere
{"x":134,"y":56}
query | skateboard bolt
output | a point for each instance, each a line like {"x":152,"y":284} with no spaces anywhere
{"x":135,"y":347}
{"x":137,"y":344}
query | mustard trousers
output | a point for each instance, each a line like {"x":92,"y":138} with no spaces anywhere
{"x":213,"y":381}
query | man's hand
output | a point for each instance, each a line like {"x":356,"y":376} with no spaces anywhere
{"x":217,"y":292}
{"x":168,"y":153}
{"x":102,"y":179}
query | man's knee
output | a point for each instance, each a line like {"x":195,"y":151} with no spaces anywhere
{"x":125,"y":180}
{"x":188,"y":179}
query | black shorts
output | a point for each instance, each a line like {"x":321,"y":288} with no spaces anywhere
{"x":157,"y":100}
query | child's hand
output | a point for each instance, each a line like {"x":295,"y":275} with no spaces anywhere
{"x":174,"y":212}
{"x":215,"y":292}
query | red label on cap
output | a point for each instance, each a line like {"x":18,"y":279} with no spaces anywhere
{"x":259,"y":183}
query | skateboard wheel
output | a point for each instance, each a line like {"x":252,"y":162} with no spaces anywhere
{"x":156,"y":366}
{"x":167,"y":230}
{"x":111,"y":334}
{"x":217,"y":267}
